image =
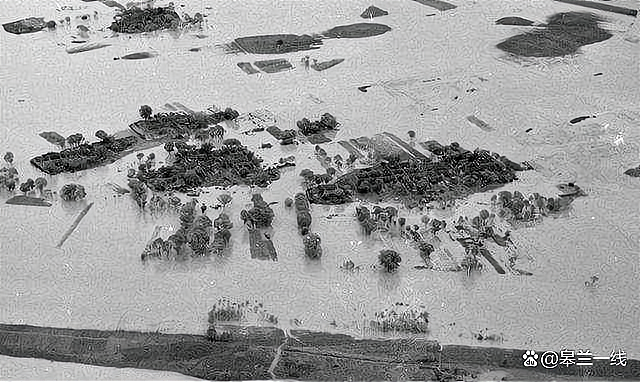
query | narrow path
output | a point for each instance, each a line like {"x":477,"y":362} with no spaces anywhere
{"x":276,"y":359}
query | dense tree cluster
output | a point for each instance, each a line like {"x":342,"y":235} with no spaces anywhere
{"x":310,"y":240}
{"x":138,"y":192}
{"x":205,"y":167}
{"x":515,"y":207}
{"x":377,"y":219}
{"x":409,"y":321}
{"x":80,"y":156}
{"x":136,"y":20}
{"x":193,"y":238}
{"x":326,"y":122}
{"x":260,"y":216}
{"x":9,"y":178}
{"x":182,"y":125}
{"x":72,"y":192}
{"x":455,"y":173}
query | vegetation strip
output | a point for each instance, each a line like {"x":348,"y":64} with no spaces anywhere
{"x":250,"y":355}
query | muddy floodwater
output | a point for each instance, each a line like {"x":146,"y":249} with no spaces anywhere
{"x":97,"y":280}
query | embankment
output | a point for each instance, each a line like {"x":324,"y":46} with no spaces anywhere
{"x":308,"y":355}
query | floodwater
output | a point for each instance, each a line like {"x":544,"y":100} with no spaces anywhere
{"x":24,"y":369}
{"x":96,"y":280}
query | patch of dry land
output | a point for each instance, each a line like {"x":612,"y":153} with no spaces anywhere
{"x":262,"y":353}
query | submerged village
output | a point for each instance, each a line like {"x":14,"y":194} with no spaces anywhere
{"x":382,"y":180}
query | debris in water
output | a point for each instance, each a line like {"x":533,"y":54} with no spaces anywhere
{"x":74,"y":225}
{"x":580,"y":119}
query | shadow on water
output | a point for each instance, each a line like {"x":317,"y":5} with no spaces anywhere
{"x":389,"y":282}
{"x":563,"y":34}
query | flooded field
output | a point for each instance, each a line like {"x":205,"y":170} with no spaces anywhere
{"x":97,"y":280}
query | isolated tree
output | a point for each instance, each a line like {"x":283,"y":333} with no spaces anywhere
{"x":8,"y":157}
{"x":389,"y":259}
{"x":40,"y":184}
{"x":145,"y":112}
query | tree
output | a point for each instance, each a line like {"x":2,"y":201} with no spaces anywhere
{"x":222,"y":222}
{"x":231,"y":142}
{"x":8,"y":157}
{"x":74,"y":140}
{"x":72,"y":192}
{"x":306,"y":173}
{"x":201,"y":135}
{"x":225,"y":199}
{"x":389,"y":259}
{"x":102,"y":135}
{"x":27,"y":186}
{"x":187,"y":215}
{"x":40,"y":184}
{"x":145,"y":112}
{"x":312,"y":246}
{"x":169,"y":147}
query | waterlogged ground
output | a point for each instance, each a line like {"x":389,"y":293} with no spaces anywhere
{"x":98,"y":281}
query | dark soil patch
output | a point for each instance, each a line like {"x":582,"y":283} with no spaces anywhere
{"x":437,"y":4}
{"x":53,"y":138}
{"x":273,"y":44}
{"x":320,"y":66}
{"x":247,"y":68}
{"x":372,"y":12}
{"x":356,"y":31}
{"x":518,"y":21}
{"x":288,"y":43}
{"x":285,"y":137}
{"x":23,"y":200}
{"x":318,"y":138}
{"x":139,"y":56}
{"x":564,"y":34}
{"x":273,"y":66}
{"x":28,"y":25}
